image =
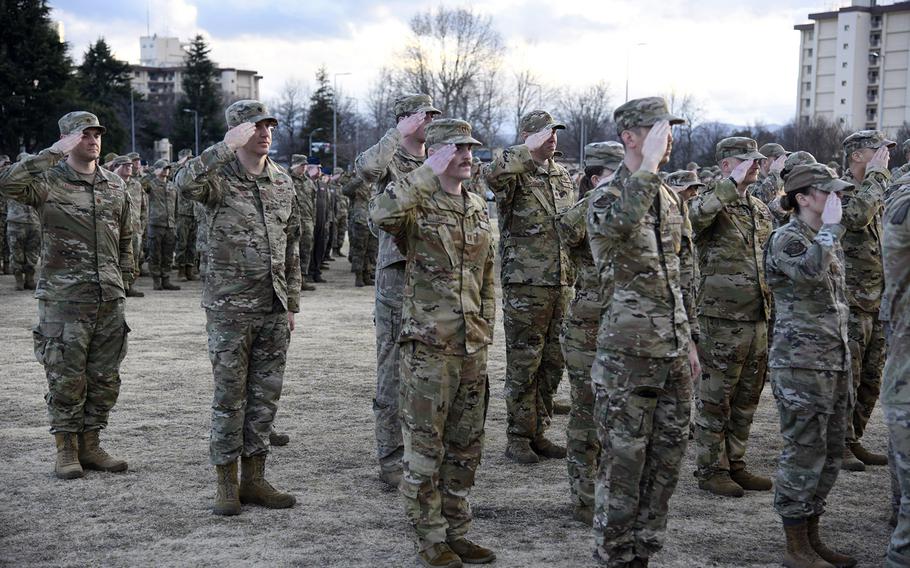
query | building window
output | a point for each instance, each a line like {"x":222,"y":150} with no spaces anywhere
{"x":807,"y":86}
{"x":844,"y":64}
{"x":809,"y":52}
{"x":876,"y":21}
{"x":843,"y":83}
{"x":846,"y":45}
{"x":846,"y":27}
{"x":807,"y":70}
{"x":843,"y":101}
{"x":807,"y":102}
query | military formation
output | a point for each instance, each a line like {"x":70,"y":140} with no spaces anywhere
{"x":668,"y":298}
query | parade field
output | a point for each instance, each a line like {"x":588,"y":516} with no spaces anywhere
{"x":159,"y":512}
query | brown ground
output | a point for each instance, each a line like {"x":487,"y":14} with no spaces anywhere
{"x":158,"y":513}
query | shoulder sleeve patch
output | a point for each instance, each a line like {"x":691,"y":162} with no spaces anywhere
{"x":795,"y":248}
{"x":900,"y":213}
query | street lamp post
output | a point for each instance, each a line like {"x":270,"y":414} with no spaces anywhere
{"x":335,"y":119}
{"x":310,"y":145}
{"x":195,"y":127}
{"x":132,"y":121}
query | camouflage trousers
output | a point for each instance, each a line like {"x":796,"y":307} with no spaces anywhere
{"x":162,"y":241}
{"x":248,"y":353}
{"x":734,"y":358}
{"x":532,"y":317}
{"x":186,"y":241}
{"x":389,"y":444}
{"x":897,"y":417}
{"x":137,"y":255}
{"x":867,"y":355}
{"x":641,"y":408}
{"x":341,"y":229}
{"x":443,"y":409}
{"x":306,"y":244}
{"x":579,"y":347}
{"x":364,"y":247}
{"x":24,"y":247}
{"x":81,"y":346}
{"x":813,"y":422}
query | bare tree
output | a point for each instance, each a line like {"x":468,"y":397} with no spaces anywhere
{"x":705,"y":139}
{"x":487,"y":109}
{"x":685,"y":148}
{"x":819,"y":136}
{"x":529,"y":93}
{"x":379,"y":102}
{"x":587,"y":114}
{"x":290,"y":109}
{"x":898,"y":156}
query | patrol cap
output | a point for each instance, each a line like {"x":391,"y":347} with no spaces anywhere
{"x":796,"y":159}
{"x":78,"y":121}
{"x":817,"y":176}
{"x":773,"y":151}
{"x":450,"y":131}
{"x":683,"y":179}
{"x":109,"y":157}
{"x":692,"y":166}
{"x":643,"y":112}
{"x":121,"y":161}
{"x":866,"y":139}
{"x":738,"y":147}
{"x":905,"y":147}
{"x":247,"y":111}
{"x":162,"y":163}
{"x":133,"y":155}
{"x":607,"y":154}
{"x":22,"y":156}
{"x":537,"y":120}
{"x":412,"y":103}
{"x":298,"y":160}
{"x":185,"y":153}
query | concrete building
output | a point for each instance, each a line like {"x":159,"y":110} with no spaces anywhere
{"x":160,"y":71}
{"x":853,"y":66}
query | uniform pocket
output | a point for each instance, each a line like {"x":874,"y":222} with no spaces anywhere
{"x":49,"y":345}
{"x":123,"y":345}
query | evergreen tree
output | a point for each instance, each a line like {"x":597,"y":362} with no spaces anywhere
{"x":200,"y":93}
{"x":36,"y":86}
{"x":104,"y":86}
{"x":320,"y":114}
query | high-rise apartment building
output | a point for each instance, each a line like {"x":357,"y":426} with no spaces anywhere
{"x":853,"y":66}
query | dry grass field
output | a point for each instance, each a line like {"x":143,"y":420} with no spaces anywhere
{"x":158,"y":513}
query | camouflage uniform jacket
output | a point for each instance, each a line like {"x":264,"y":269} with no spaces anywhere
{"x":767,"y":187}
{"x":805,"y":271}
{"x":306,"y":196}
{"x":730,"y":235}
{"x":588,"y":302}
{"x":185,"y":207}
{"x":86,"y":237}
{"x":900,"y":171}
{"x":382,"y":164}
{"x":162,"y":202}
{"x":528,"y":197}
{"x":896,"y":247}
{"x":253,"y":232}
{"x":18,"y":213}
{"x":863,"y":240}
{"x":641,"y":241}
{"x":358,"y":192}
{"x":449,"y":298}
{"x":137,"y":206}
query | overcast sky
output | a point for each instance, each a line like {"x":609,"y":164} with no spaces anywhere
{"x":738,"y":58}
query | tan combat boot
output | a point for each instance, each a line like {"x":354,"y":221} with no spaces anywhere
{"x":471,"y":553}
{"x":547,"y":449}
{"x":867,"y":457}
{"x":93,"y":456}
{"x":561,"y":408}
{"x":192,"y":273}
{"x":227,"y":495}
{"x":519,"y":450}
{"x":850,"y":463}
{"x":391,"y":477}
{"x":67,"y":466}
{"x":255,"y":490}
{"x":156,"y":282}
{"x":835,"y":558}
{"x":439,"y":555}
{"x":278,"y":439}
{"x":721,"y":484}
{"x":750,"y":481}
{"x":358,"y":280}
{"x":800,"y":553}
{"x":181,"y":273}
{"x":29,"y":283}
{"x":20,"y":280}
{"x":166,"y":284}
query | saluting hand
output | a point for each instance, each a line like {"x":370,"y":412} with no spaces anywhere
{"x":654,"y":147}
{"x":778,"y":164}
{"x":739,"y":172}
{"x":536,"y":141}
{"x":236,"y":137}
{"x":441,"y":158}
{"x":409,"y":124}
{"x":66,"y":144}
{"x":881,"y":158}
{"x":833,"y":212}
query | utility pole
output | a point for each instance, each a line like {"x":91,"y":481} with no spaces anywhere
{"x":335,"y":119}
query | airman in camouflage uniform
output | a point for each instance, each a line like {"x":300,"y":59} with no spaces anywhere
{"x":448,"y":313}
{"x":140,"y":236}
{"x":731,"y":228}
{"x":251,"y":292}
{"x":399,"y":152}
{"x":895,"y":393}
{"x":536,"y":274}
{"x":865,"y":281}
{"x":185,"y":248}
{"x":306,"y":204}
{"x":364,"y":243}
{"x":87,"y":249}
{"x":770,"y":185}
{"x":809,"y":358}
{"x":342,"y":205}
{"x":578,"y":337}
{"x":641,"y":242}
{"x":23,"y":235}
{"x":685,"y":183}
{"x":162,"y":223}
{"x":901,"y":171}
{"x":123,"y":167}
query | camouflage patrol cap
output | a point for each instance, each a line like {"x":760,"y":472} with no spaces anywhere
{"x":537,"y":120}
{"x":298,"y":160}
{"x":607,"y":154}
{"x":692,"y":166}
{"x":78,"y":121}
{"x":799,"y":158}
{"x":4,"y":159}
{"x":738,"y":147}
{"x":185,"y":153}
{"x":22,"y":156}
{"x":121,"y":161}
{"x":450,"y":131}
{"x":773,"y":151}
{"x":905,"y":147}
{"x":816,"y":176}
{"x":866,"y":139}
{"x":412,"y":103}
{"x":109,"y":157}
{"x":247,"y":111}
{"x":162,"y":163}
{"x":133,"y":156}
{"x":683,"y":179}
{"x":643,"y":112}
